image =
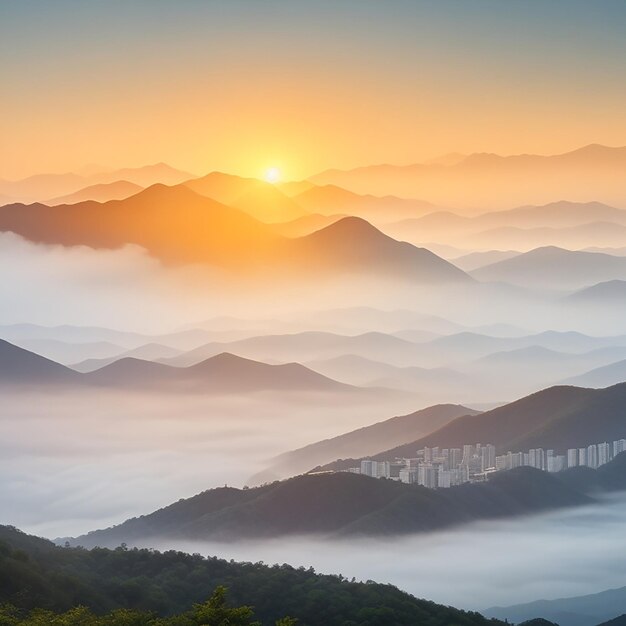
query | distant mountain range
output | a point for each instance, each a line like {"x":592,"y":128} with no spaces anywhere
{"x":611,"y":292}
{"x":590,"y":173}
{"x":103,"y":192}
{"x":223,"y":373}
{"x":348,"y":505}
{"x":559,"y":417}
{"x":587,"y":610}
{"x":178,"y":225}
{"x":566,"y":224}
{"x":603,"y":376}
{"x":363,"y":441}
{"x":42,"y":187}
{"x":554,"y":267}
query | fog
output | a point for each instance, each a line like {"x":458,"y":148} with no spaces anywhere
{"x":566,"y":553}
{"x":73,"y":461}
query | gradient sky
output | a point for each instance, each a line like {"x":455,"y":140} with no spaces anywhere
{"x":241,"y":86}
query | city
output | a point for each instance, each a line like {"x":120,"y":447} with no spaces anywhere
{"x":438,"y":468}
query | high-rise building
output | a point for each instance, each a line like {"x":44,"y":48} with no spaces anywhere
{"x":454,"y":458}
{"x":592,"y":456}
{"x":604,"y":453}
{"x":572,"y":457}
{"x":619,"y":446}
{"x":582,"y":456}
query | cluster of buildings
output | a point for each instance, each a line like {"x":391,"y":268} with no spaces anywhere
{"x":445,"y":467}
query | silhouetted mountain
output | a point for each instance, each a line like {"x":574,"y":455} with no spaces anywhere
{"x":554,"y":267}
{"x":591,"y":173}
{"x":604,"y":376}
{"x":587,"y":610}
{"x":173,"y":223}
{"x":617,"y":621}
{"x":305,"y":225}
{"x":263,"y":201}
{"x":559,"y":417}
{"x":358,"y":370}
{"x":364,"y":441}
{"x":21,"y":367}
{"x":345,"y":504}
{"x":474,"y":260}
{"x":603,"y":294}
{"x":177,"y":225}
{"x":222,"y":373}
{"x":146,"y":352}
{"x":99,"y":193}
{"x":353,"y":245}
{"x":333,"y":200}
{"x":41,"y":187}
{"x":303,"y":347}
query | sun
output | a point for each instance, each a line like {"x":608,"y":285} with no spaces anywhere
{"x":272,"y":175}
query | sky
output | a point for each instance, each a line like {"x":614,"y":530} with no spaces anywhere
{"x":245,"y":85}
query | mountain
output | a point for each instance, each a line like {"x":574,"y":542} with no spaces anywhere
{"x":566,"y":224}
{"x":348,"y":505}
{"x":353,"y":245}
{"x":554,"y":267}
{"x":358,"y":370}
{"x":559,"y":417}
{"x":173,"y":223}
{"x":601,"y":234}
{"x":587,"y":610}
{"x":604,"y":376}
{"x":21,"y":367}
{"x":474,"y":260}
{"x":262,"y":200}
{"x":364,"y":441}
{"x":146,"y":352}
{"x":611,"y":292}
{"x":304,"y":346}
{"x":333,"y":200}
{"x":41,"y":187}
{"x":305,"y":225}
{"x":99,"y":193}
{"x":177,"y":225}
{"x":617,"y":621}
{"x":69,"y":352}
{"x":38,"y":575}
{"x":223,"y":373}
{"x":590,"y":173}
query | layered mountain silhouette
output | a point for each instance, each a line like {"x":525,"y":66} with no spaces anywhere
{"x":304,"y":346}
{"x":178,"y":225}
{"x":555,"y":267}
{"x":590,"y":173}
{"x":100,"y":193}
{"x":41,"y":187}
{"x":610,"y":292}
{"x":223,"y":373}
{"x":21,"y":367}
{"x":587,"y":610}
{"x":348,"y":505}
{"x":559,"y":417}
{"x":263,"y":201}
{"x":364,"y":441}
{"x":604,"y":376}
{"x":332,"y":200}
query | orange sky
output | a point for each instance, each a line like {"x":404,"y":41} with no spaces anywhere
{"x":242,"y":86}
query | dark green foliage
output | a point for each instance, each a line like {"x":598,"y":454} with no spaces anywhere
{"x":36,"y":574}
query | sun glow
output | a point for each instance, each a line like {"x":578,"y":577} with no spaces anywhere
{"x":272,"y":175}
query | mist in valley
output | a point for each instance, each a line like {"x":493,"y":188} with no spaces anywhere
{"x":561,"y":554}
